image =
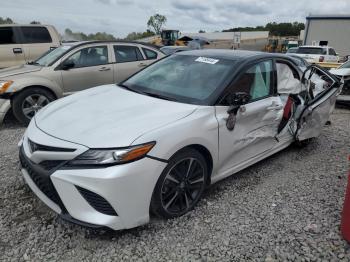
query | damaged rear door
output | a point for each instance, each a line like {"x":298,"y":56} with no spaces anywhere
{"x":249,"y":130}
{"x":322,"y":89}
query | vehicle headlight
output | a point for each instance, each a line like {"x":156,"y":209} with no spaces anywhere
{"x":109,"y":157}
{"x":4,"y":85}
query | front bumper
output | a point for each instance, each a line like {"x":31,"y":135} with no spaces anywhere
{"x":126,"y":188}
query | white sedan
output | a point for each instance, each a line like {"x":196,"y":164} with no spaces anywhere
{"x":110,"y":156}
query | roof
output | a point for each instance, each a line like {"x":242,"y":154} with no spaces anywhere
{"x":12,"y":25}
{"x":236,"y":55}
{"x":328,"y":17}
{"x":81,"y":43}
{"x":316,"y":46}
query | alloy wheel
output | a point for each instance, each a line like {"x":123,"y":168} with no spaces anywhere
{"x":33,"y":103}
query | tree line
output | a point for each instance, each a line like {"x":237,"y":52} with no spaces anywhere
{"x":156,"y":22}
{"x":275,"y":29}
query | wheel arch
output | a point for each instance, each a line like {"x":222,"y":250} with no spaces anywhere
{"x":205,"y":153}
{"x":35,"y":86}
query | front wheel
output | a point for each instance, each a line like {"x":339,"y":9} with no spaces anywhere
{"x":180,"y":185}
{"x":28,"y":102}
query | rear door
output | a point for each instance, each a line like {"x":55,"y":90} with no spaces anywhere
{"x":11,"y":49}
{"x":129,"y":60}
{"x":36,"y":41}
{"x":150,"y":55}
{"x":255,"y":124}
{"x":322,"y":91}
{"x":92,"y":67}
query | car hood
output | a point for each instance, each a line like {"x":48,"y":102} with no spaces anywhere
{"x":16,"y":70}
{"x":340,"y":71}
{"x":108,"y":116}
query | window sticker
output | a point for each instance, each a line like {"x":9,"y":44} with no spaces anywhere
{"x":207,"y":60}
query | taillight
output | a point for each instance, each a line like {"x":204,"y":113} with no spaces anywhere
{"x":321,"y":59}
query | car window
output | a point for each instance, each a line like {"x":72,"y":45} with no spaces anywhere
{"x":90,"y":56}
{"x":256,"y":81}
{"x":312,"y":50}
{"x":33,"y":34}
{"x":127,"y":53}
{"x":7,"y":36}
{"x":185,"y":78}
{"x":149,"y":53}
{"x":345,"y":65}
{"x":332,"y":52}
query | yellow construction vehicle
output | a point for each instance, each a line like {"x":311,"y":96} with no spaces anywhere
{"x":168,"y":38}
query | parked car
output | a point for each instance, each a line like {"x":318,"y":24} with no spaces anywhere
{"x":110,"y":155}
{"x":301,"y":62}
{"x":24,"y":43}
{"x":292,"y":50}
{"x":314,"y":54}
{"x":343,"y":73}
{"x":169,"y":50}
{"x":70,"y":68}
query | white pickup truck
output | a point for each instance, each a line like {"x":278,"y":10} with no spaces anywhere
{"x":314,"y":54}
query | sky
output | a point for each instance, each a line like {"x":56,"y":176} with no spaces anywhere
{"x":120,"y":17}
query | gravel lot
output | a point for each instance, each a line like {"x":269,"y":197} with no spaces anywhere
{"x":285,"y":207}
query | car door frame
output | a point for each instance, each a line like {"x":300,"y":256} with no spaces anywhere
{"x":257,"y":157}
{"x":77,"y":49}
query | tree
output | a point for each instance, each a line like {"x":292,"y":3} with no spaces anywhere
{"x":80,"y":36}
{"x":139,"y":35}
{"x":6,"y":20}
{"x":156,"y":22}
{"x":35,"y":23}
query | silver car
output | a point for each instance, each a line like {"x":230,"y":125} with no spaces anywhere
{"x":67,"y":69}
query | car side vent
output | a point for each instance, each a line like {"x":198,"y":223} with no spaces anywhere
{"x":38,"y":147}
{"x":97,"y":202}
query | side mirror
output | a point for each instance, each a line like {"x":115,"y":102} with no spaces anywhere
{"x":66,"y":65}
{"x":236,"y":100}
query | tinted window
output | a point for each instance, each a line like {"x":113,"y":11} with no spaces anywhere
{"x":7,"y":36}
{"x":312,"y":50}
{"x":34,"y":35}
{"x":127,"y":54}
{"x":149,"y":53}
{"x":256,"y":81}
{"x":332,"y":52}
{"x":90,"y":56}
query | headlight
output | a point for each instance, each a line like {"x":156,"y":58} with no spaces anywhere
{"x":4,"y":85}
{"x":108,"y":157}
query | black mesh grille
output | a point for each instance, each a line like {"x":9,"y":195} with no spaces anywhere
{"x":40,"y":178}
{"x":97,"y":202}
{"x":37,"y":147}
{"x":51,"y":164}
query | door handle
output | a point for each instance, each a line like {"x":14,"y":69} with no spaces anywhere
{"x":142,"y":65}
{"x":104,"y":69}
{"x":17,"y":50}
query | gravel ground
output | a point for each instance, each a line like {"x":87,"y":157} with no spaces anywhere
{"x":286,"y":207}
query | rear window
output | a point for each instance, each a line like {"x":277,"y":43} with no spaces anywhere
{"x":312,"y":50}
{"x":32,"y":35}
{"x":125,"y":54}
{"x":7,"y":36}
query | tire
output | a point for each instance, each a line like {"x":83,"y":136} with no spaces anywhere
{"x":179,"y":187}
{"x":29,"y":101}
{"x":303,"y":143}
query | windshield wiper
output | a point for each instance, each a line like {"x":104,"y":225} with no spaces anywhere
{"x":159,"y":96}
{"x":33,"y":63}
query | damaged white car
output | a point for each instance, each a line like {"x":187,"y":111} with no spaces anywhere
{"x":110,"y":156}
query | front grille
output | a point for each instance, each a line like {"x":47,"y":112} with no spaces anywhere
{"x":97,"y":202}
{"x":51,"y":164}
{"x":38,"y":147}
{"x":41,"y":178}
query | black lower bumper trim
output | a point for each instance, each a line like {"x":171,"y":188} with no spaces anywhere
{"x":70,"y":219}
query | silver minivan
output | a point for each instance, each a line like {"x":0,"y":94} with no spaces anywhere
{"x":70,"y":68}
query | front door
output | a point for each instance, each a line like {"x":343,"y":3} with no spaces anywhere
{"x":256,"y":123}
{"x":323,"y":89}
{"x":91,"y":68}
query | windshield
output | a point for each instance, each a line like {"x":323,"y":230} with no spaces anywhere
{"x":312,"y":50}
{"x":345,"y":65}
{"x":183,"y":78}
{"x":51,"y":56}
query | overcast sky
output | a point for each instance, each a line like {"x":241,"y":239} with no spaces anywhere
{"x":120,"y":17}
